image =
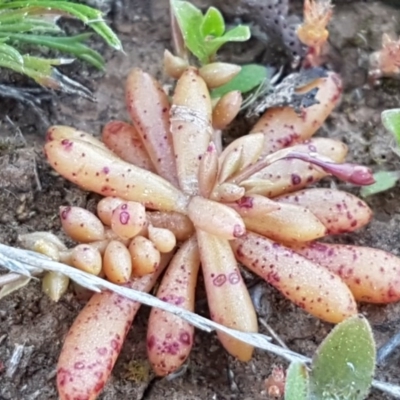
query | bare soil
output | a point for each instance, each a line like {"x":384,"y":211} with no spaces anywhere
{"x":30,"y":194}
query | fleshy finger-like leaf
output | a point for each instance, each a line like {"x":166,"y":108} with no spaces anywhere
{"x":191,"y":136}
{"x":318,"y":291}
{"x":343,"y":366}
{"x":350,"y":213}
{"x":177,"y":287}
{"x":285,"y":176}
{"x":148,"y":107}
{"x":372,"y":275}
{"x":228,"y":298}
{"x":145,"y":187}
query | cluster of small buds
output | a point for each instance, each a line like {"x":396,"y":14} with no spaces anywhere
{"x":119,"y":244}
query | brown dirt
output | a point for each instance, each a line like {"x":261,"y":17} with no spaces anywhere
{"x":28,"y":317}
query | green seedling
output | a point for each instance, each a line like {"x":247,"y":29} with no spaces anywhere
{"x":385,"y":180}
{"x":34,"y":23}
{"x":342,"y":368}
{"x":203,"y":34}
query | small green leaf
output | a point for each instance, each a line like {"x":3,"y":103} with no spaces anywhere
{"x":240,"y":33}
{"x":249,"y":77}
{"x":391,"y":121}
{"x":343,"y":366}
{"x":213,"y":23}
{"x":189,"y":20}
{"x":297,"y":382}
{"x":384,"y":180}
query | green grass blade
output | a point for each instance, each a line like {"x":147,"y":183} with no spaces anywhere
{"x":44,"y":65}
{"x":30,"y":25}
{"x":102,"y":29}
{"x":10,"y":53}
{"x":70,"y":45}
{"x":88,"y":15}
{"x":41,"y":70}
{"x":43,"y":78}
{"x":34,"y":22}
{"x":11,"y":16}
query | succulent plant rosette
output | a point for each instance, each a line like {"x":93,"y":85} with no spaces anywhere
{"x":176,"y":202}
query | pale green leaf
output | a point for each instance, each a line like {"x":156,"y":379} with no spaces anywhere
{"x":391,"y":121}
{"x":249,"y":77}
{"x":384,"y":180}
{"x":297,"y":382}
{"x":344,"y":364}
